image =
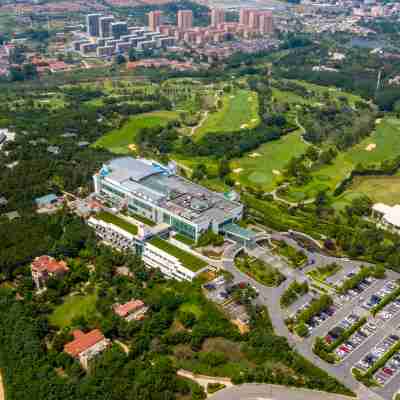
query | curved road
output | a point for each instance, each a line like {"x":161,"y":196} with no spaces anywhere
{"x":254,"y":391}
{"x":270,"y":297}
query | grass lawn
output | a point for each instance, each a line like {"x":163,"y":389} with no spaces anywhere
{"x":322,"y":273}
{"x":262,"y":167}
{"x":115,"y":220}
{"x":386,"y":137}
{"x":381,"y":189}
{"x":234,"y":361}
{"x":192,"y":308}
{"x":190,"y":261}
{"x":239,"y":111}
{"x":73,"y":306}
{"x":117,"y":141}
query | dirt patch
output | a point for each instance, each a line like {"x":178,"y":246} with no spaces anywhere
{"x":237,"y":170}
{"x":254,"y":155}
{"x":370,"y":147}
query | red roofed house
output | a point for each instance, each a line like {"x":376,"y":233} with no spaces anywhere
{"x":132,"y":310}
{"x":86,"y":346}
{"x":44,"y":267}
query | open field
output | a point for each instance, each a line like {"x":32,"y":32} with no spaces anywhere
{"x":386,"y":139}
{"x":73,"y":306}
{"x":380,"y":189}
{"x":261,"y":168}
{"x":117,"y":140}
{"x":239,"y":111}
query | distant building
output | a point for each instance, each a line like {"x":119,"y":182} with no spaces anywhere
{"x":244,"y":16}
{"x":154,"y":20}
{"x":266,"y":23}
{"x":93,"y":24}
{"x":119,"y":29}
{"x":105,"y":26}
{"x":44,"y":267}
{"x":185,"y":19}
{"x":86,"y":346}
{"x":133,"y":310}
{"x":217,"y":17}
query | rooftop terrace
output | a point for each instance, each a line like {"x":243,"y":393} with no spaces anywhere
{"x":190,"y":261}
{"x":117,"y":221}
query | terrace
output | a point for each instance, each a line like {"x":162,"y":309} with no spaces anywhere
{"x":117,"y":221}
{"x":190,"y":261}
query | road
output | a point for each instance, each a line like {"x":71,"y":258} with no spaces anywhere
{"x":270,"y":297}
{"x":254,"y":391}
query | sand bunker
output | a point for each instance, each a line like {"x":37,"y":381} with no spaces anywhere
{"x":132,"y":147}
{"x":244,"y":126}
{"x":254,"y":155}
{"x":378,"y":121}
{"x":371,"y":147}
{"x":276,"y":172}
{"x":237,"y":170}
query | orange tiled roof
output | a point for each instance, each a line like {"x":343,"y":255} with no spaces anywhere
{"x":124,"y":309}
{"x":49,"y":264}
{"x":83,"y":341}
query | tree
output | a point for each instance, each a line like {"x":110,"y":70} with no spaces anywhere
{"x":188,"y":319}
{"x":132,"y":56}
{"x":120,"y":59}
{"x":199,"y":172}
{"x":301,"y":329}
{"x":224,"y":168}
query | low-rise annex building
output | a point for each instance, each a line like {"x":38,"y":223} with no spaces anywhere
{"x":44,"y":268}
{"x":86,"y":346}
{"x":171,"y":260}
{"x":133,"y":310}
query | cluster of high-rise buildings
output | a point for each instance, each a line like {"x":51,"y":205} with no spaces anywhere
{"x":252,"y":23}
{"x":107,"y":36}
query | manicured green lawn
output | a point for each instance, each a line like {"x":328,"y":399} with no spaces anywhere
{"x":115,"y":220}
{"x":239,"y":111}
{"x":73,"y":306}
{"x":380,"y":189}
{"x":263,"y":166}
{"x":117,"y":141}
{"x":187,"y":259}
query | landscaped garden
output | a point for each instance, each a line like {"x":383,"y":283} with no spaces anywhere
{"x":259,"y":270}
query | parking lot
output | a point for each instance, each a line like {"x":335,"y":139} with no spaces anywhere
{"x":372,"y":339}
